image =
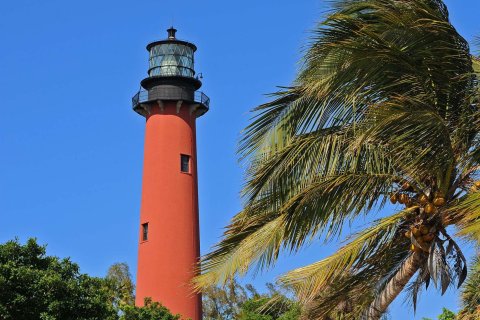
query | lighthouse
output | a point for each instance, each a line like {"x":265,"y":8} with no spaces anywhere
{"x":169,"y":244}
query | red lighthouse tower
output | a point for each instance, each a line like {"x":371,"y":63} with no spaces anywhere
{"x":169,"y":232}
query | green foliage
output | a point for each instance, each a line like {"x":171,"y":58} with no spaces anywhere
{"x":447,"y":315}
{"x":36,"y":286}
{"x":274,"y":305}
{"x":223,"y":302}
{"x":262,"y":308}
{"x":292,"y":314}
{"x":250,"y":309}
{"x":121,"y":288}
{"x":151,"y":311}
{"x":120,"y":285}
{"x":233,"y":301}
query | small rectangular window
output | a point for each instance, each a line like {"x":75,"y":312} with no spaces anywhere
{"x":145,"y":231}
{"x":184,"y":163}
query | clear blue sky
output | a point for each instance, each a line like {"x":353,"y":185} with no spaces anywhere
{"x":72,"y":149}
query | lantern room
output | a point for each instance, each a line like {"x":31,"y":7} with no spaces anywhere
{"x":171,"y":57}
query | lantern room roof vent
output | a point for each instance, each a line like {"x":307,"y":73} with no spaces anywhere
{"x":171,"y":33}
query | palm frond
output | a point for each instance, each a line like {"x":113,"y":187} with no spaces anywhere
{"x":350,"y":294}
{"x":241,"y":248}
{"x":465,"y":214}
{"x":311,"y":279}
{"x":415,"y":136}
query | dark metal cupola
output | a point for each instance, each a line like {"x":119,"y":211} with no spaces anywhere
{"x":171,"y":76}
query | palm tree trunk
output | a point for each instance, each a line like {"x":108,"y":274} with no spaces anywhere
{"x":394,"y":287}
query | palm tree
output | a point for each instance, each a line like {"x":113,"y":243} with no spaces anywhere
{"x":471,"y":294}
{"x":384,"y":108}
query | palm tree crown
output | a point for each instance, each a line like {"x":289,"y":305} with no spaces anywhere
{"x":385,"y":108}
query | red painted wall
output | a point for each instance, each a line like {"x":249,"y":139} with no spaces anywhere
{"x":170,"y":207}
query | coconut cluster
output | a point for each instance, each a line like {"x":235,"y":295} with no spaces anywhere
{"x":421,"y":236}
{"x":422,"y":230}
{"x":429,"y":204}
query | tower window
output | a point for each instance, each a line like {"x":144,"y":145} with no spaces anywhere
{"x":145,"y":231}
{"x":184,"y":163}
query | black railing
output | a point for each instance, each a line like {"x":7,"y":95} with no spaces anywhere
{"x":202,"y":98}
{"x":172,"y":93}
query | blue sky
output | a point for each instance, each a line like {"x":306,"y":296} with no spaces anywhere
{"x":72,"y":149}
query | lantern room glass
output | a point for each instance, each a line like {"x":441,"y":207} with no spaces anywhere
{"x":171,"y":59}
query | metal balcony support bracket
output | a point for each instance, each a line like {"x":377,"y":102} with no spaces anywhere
{"x":160,"y":105}
{"x":145,"y":108}
{"x":194,"y":107}
{"x":179,"y":105}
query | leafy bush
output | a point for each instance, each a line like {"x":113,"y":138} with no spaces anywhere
{"x":36,"y":286}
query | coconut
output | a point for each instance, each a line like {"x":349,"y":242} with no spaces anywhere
{"x":416,"y":231}
{"x":430,"y":208}
{"x":393,"y":198}
{"x":439,"y":201}
{"x":423,"y":199}
{"x":424,"y":230}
